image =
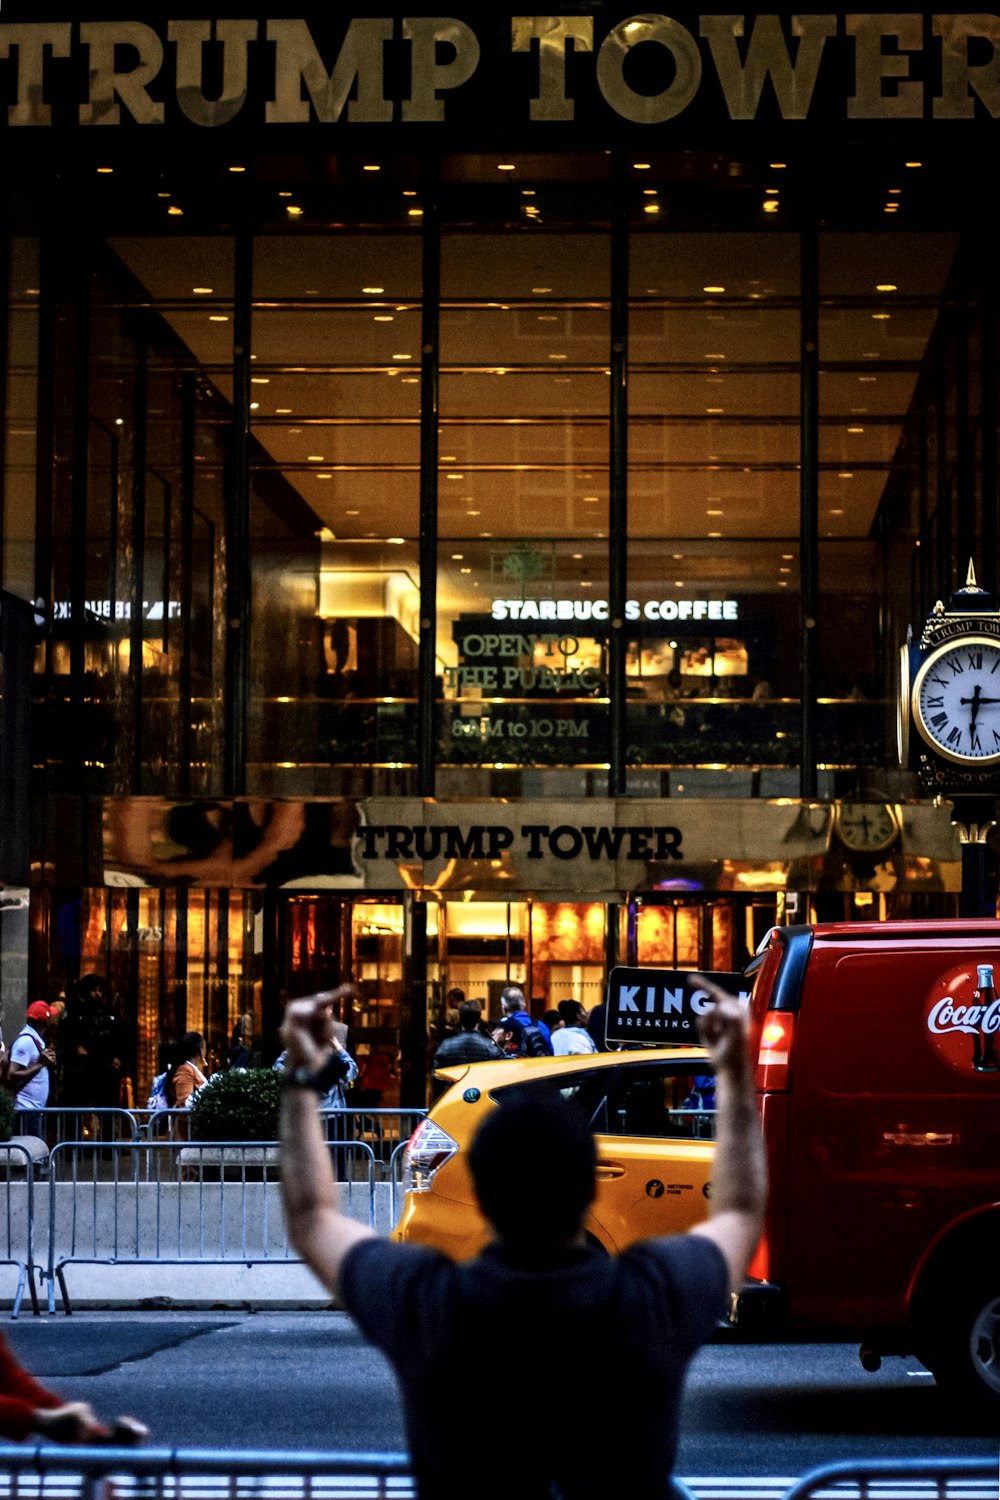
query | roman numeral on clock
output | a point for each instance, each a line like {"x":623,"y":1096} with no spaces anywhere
{"x":955,"y":736}
{"x":939,"y":721}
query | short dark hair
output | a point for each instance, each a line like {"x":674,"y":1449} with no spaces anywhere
{"x":469,"y":1013}
{"x":570,"y":1011}
{"x":533,"y":1163}
{"x":455,"y":994}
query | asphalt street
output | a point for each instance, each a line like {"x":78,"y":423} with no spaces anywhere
{"x":308,"y":1380}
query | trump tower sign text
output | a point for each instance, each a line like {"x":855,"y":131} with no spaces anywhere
{"x":507,"y":75}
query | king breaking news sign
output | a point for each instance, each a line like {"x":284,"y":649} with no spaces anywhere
{"x":661,"y":1005}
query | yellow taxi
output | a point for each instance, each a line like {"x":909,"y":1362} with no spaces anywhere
{"x":652,"y":1113}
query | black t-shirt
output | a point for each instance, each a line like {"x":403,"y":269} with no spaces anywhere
{"x":559,"y":1381}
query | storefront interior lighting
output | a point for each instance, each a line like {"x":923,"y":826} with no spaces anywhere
{"x":714,"y":289}
{"x":777,"y":166}
{"x":913,"y":164}
{"x":174,"y":211}
{"x":505,"y":166}
{"x":458,"y":557}
{"x":402,"y":356}
{"x":371,"y":166}
{"x":641,"y":166}
{"x":237,"y":169}
{"x":260,"y":380}
{"x":372,"y":291}
{"x":104,"y":171}
{"x":293,"y":210}
{"x":651,"y":208}
{"x":383,"y":318}
{"x":218,"y":318}
{"x":415,"y":213}
{"x":855,"y":429}
{"x":771,"y":206}
{"x":772,"y":192}
{"x":202,"y":291}
{"x":887,"y":286}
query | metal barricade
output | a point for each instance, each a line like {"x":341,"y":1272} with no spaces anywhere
{"x":200,"y":1474}
{"x":45,"y":1473}
{"x":180,"y":1203}
{"x":382,"y":1129}
{"x":16,"y":1244}
{"x":902,"y":1479}
{"x":58,"y":1124}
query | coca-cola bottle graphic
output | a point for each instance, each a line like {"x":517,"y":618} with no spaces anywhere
{"x":984,"y":1044}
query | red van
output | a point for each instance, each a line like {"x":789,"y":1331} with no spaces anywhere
{"x":879,"y":1088}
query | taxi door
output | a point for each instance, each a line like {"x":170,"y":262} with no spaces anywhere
{"x":654,"y":1137}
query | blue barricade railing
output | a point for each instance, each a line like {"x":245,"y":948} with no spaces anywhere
{"x":18,"y":1222}
{"x":918,"y":1478}
{"x":218,"y":1474}
{"x":180,"y":1203}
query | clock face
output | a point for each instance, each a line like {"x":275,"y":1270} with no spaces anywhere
{"x":866,"y":826}
{"x":956,"y":700}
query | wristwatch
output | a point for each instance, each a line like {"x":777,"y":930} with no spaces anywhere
{"x":320,"y":1080}
{"x":301,"y":1078}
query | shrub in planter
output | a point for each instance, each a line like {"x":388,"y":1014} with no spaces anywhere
{"x":7,"y":1122}
{"x":237,"y":1106}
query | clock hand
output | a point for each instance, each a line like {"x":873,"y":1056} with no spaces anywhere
{"x":974,"y":712}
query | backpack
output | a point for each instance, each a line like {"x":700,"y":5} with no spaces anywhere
{"x":531,"y":1042}
{"x":14,"y":1086}
{"x":157,"y":1099}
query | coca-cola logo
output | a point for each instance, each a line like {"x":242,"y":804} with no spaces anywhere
{"x":963,"y":1024}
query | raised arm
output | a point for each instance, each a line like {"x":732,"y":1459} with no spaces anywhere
{"x":318,"y":1230}
{"x":739,"y":1172}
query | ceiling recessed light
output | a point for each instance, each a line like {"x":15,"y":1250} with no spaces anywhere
{"x":712,"y":534}
{"x":713,"y":289}
{"x":577,"y":556}
{"x":787,"y":556}
{"x":678,"y":583}
{"x":855,"y":429}
{"x":771,"y":206}
{"x":887,"y":286}
{"x":395,"y":541}
{"x":881,"y":317}
{"x":202,"y":291}
{"x":254,"y":405}
{"x":454,"y":476}
{"x":714,"y":411}
{"x":284,"y":195}
{"x":324,"y":476}
{"x":527,"y":192}
{"x":383,"y":318}
{"x":282,"y":411}
{"x":402,"y":356}
{"x":894,"y":192}
{"x":317,"y":458}
{"x":713,"y":512}
{"x":777,"y":166}
{"x":913,"y":164}
{"x":237,"y":169}
{"x":174,"y":211}
{"x":103,"y":171}
{"x":845,"y":474}
{"x":370,"y":167}
{"x":218,"y":318}
{"x":472,"y":512}
{"x":591,"y":499}
{"x":415,"y":213}
{"x":260,"y":380}
{"x":352,"y":513}
{"x":836,"y":510}
{"x":372,"y":291}
{"x":772,"y":192}
{"x":541,"y":290}
{"x":486,"y":533}
{"x":505,"y":166}
{"x":641,"y":166}
{"x":784,"y":570}
{"x":293,"y":210}
{"x":465,"y":570}
{"x":458,"y":557}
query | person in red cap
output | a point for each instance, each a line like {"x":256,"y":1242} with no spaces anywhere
{"x":31,"y":1062}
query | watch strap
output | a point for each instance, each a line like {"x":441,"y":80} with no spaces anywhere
{"x":319,"y":1080}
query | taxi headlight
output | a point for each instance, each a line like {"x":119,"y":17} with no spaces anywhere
{"x":427,"y":1150}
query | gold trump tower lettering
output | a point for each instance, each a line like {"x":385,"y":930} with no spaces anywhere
{"x":897,"y":66}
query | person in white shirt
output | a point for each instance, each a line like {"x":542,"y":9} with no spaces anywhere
{"x":31,"y":1062}
{"x":572,"y":1039}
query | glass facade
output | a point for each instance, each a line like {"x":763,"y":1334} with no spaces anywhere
{"x":341,"y":485}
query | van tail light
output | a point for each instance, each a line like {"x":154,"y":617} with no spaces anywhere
{"x":775,"y":1049}
{"x":427,"y":1150}
{"x":760,"y":1266}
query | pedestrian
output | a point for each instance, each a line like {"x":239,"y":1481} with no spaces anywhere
{"x":572,"y":1039}
{"x":94,"y":1044}
{"x":597,"y":1026}
{"x":32,"y":1060}
{"x":539,"y":1295}
{"x":342,"y":1068}
{"x":26,"y":1407}
{"x":516,"y":1010}
{"x":469,"y":1045}
{"x":554,"y":1022}
{"x":186,"y":1073}
{"x":238,"y":1058}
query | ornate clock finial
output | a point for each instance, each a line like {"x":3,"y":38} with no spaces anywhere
{"x":970,"y":577}
{"x":938,"y":608}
